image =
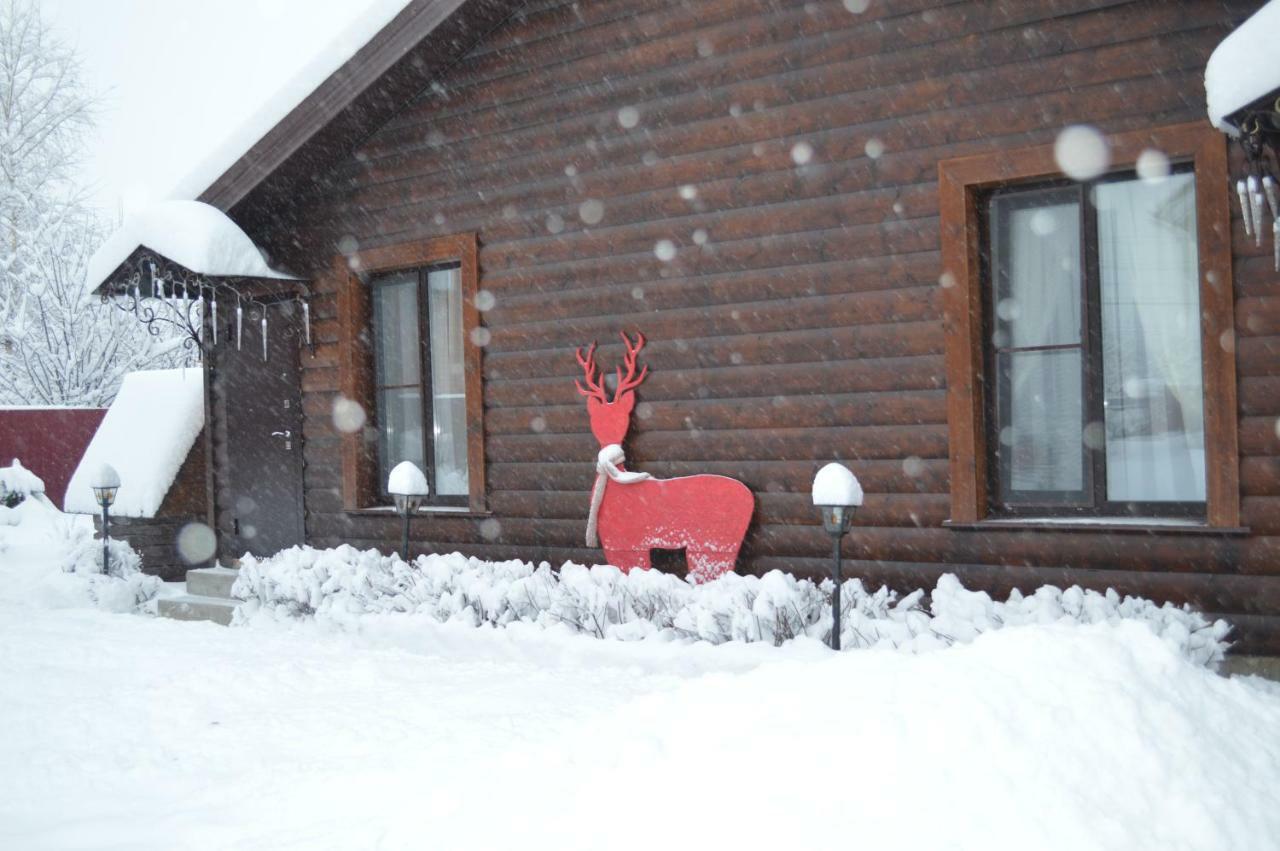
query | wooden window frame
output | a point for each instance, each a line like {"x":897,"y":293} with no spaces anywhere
{"x":356,"y":369}
{"x":962,"y":185}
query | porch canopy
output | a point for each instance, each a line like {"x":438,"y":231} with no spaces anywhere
{"x":199,"y":239}
{"x":172,"y":264}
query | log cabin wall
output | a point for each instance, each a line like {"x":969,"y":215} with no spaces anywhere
{"x":800,"y":319}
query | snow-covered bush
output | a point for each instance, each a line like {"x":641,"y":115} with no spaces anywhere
{"x":125,"y":587}
{"x":16,"y":484}
{"x":604,"y":602}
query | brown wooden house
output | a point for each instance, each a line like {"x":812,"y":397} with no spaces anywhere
{"x":844,"y":230}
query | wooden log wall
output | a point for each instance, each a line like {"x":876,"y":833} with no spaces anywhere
{"x":789,"y":152}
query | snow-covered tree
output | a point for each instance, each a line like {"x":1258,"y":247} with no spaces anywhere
{"x":68,"y":347}
{"x":44,"y":114}
{"x":58,"y":345}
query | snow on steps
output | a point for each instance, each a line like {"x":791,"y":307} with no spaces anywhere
{"x":208,"y":597}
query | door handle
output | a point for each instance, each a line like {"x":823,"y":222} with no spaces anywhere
{"x":281,"y":434}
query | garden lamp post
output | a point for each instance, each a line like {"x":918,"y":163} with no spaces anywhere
{"x":408,"y":488}
{"x":837,"y":495}
{"x":105,"y":483}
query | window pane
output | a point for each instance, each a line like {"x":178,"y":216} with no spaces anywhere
{"x":1039,"y":403}
{"x":395,"y":320}
{"x":1036,"y":257}
{"x":399,"y":429}
{"x":448,"y":381}
{"x":1149,"y":278}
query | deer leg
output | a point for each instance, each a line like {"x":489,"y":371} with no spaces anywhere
{"x":627,"y":560}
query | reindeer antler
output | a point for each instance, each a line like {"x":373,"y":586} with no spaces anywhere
{"x":631,"y":379}
{"x":594,"y":389}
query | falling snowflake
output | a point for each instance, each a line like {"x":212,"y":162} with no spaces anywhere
{"x":1081,"y":152}
{"x":1152,"y":166}
{"x":348,"y":415}
{"x":591,"y":211}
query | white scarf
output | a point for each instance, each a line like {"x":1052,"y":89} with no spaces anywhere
{"x":607,"y":468}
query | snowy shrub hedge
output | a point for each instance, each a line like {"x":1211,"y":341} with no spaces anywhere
{"x":604,"y":602}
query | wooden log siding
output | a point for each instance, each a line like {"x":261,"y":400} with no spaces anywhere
{"x":801,"y":319}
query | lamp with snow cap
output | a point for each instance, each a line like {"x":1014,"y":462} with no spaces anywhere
{"x":105,"y":483}
{"x":407,"y":485}
{"x":837,"y":494}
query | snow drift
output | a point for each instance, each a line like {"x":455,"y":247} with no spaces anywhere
{"x":53,"y":560}
{"x":344,"y":583}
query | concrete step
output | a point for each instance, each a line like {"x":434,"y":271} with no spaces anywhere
{"x":211,"y":581}
{"x":193,"y":607}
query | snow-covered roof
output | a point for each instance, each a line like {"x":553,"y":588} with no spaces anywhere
{"x":146,"y":435}
{"x":327,"y":61}
{"x":1244,"y":67}
{"x":193,"y":234}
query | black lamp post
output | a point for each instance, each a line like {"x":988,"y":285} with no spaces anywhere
{"x":837,"y":495}
{"x":105,"y":483}
{"x":408,"y":488}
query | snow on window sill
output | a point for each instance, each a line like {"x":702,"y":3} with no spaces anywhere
{"x":1148,"y":525}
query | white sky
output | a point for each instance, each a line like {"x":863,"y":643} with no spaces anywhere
{"x":187,"y":85}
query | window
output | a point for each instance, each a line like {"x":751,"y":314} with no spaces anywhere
{"x":406,"y":315}
{"x":420,"y":391}
{"x":1093,"y":318}
{"x":1089,"y":332}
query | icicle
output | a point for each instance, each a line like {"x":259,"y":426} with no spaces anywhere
{"x":213,"y":316}
{"x":239,"y":324}
{"x":1275,"y":242}
{"x":1243,"y":193}
{"x":306,"y":320}
{"x":1255,"y":209}
{"x":1273,"y":200}
{"x":264,"y":333}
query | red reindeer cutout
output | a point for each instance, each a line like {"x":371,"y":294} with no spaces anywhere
{"x":633,"y":513}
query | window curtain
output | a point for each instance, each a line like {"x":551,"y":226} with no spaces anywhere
{"x":399,"y":411}
{"x":1039,"y":306}
{"x":1149,"y":280}
{"x":448,"y":381}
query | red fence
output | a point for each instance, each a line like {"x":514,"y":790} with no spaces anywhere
{"x":48,"y":441}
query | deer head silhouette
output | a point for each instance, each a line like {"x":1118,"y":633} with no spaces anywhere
{"x":610,"y":419}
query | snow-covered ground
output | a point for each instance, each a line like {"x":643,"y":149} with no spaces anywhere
{"x":122,"y":730}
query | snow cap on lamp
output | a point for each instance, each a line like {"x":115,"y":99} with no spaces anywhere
{"x":407,"y":485}
{"x":836,"y":493}
{"x":105,"y":481}
{"x":835,"y":484}
{"x":105,"y":477}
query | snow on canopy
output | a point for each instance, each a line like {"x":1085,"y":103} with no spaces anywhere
{"x":1243,"y":67}
{"x":194,"y":234}
{"x":145,"y":436}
